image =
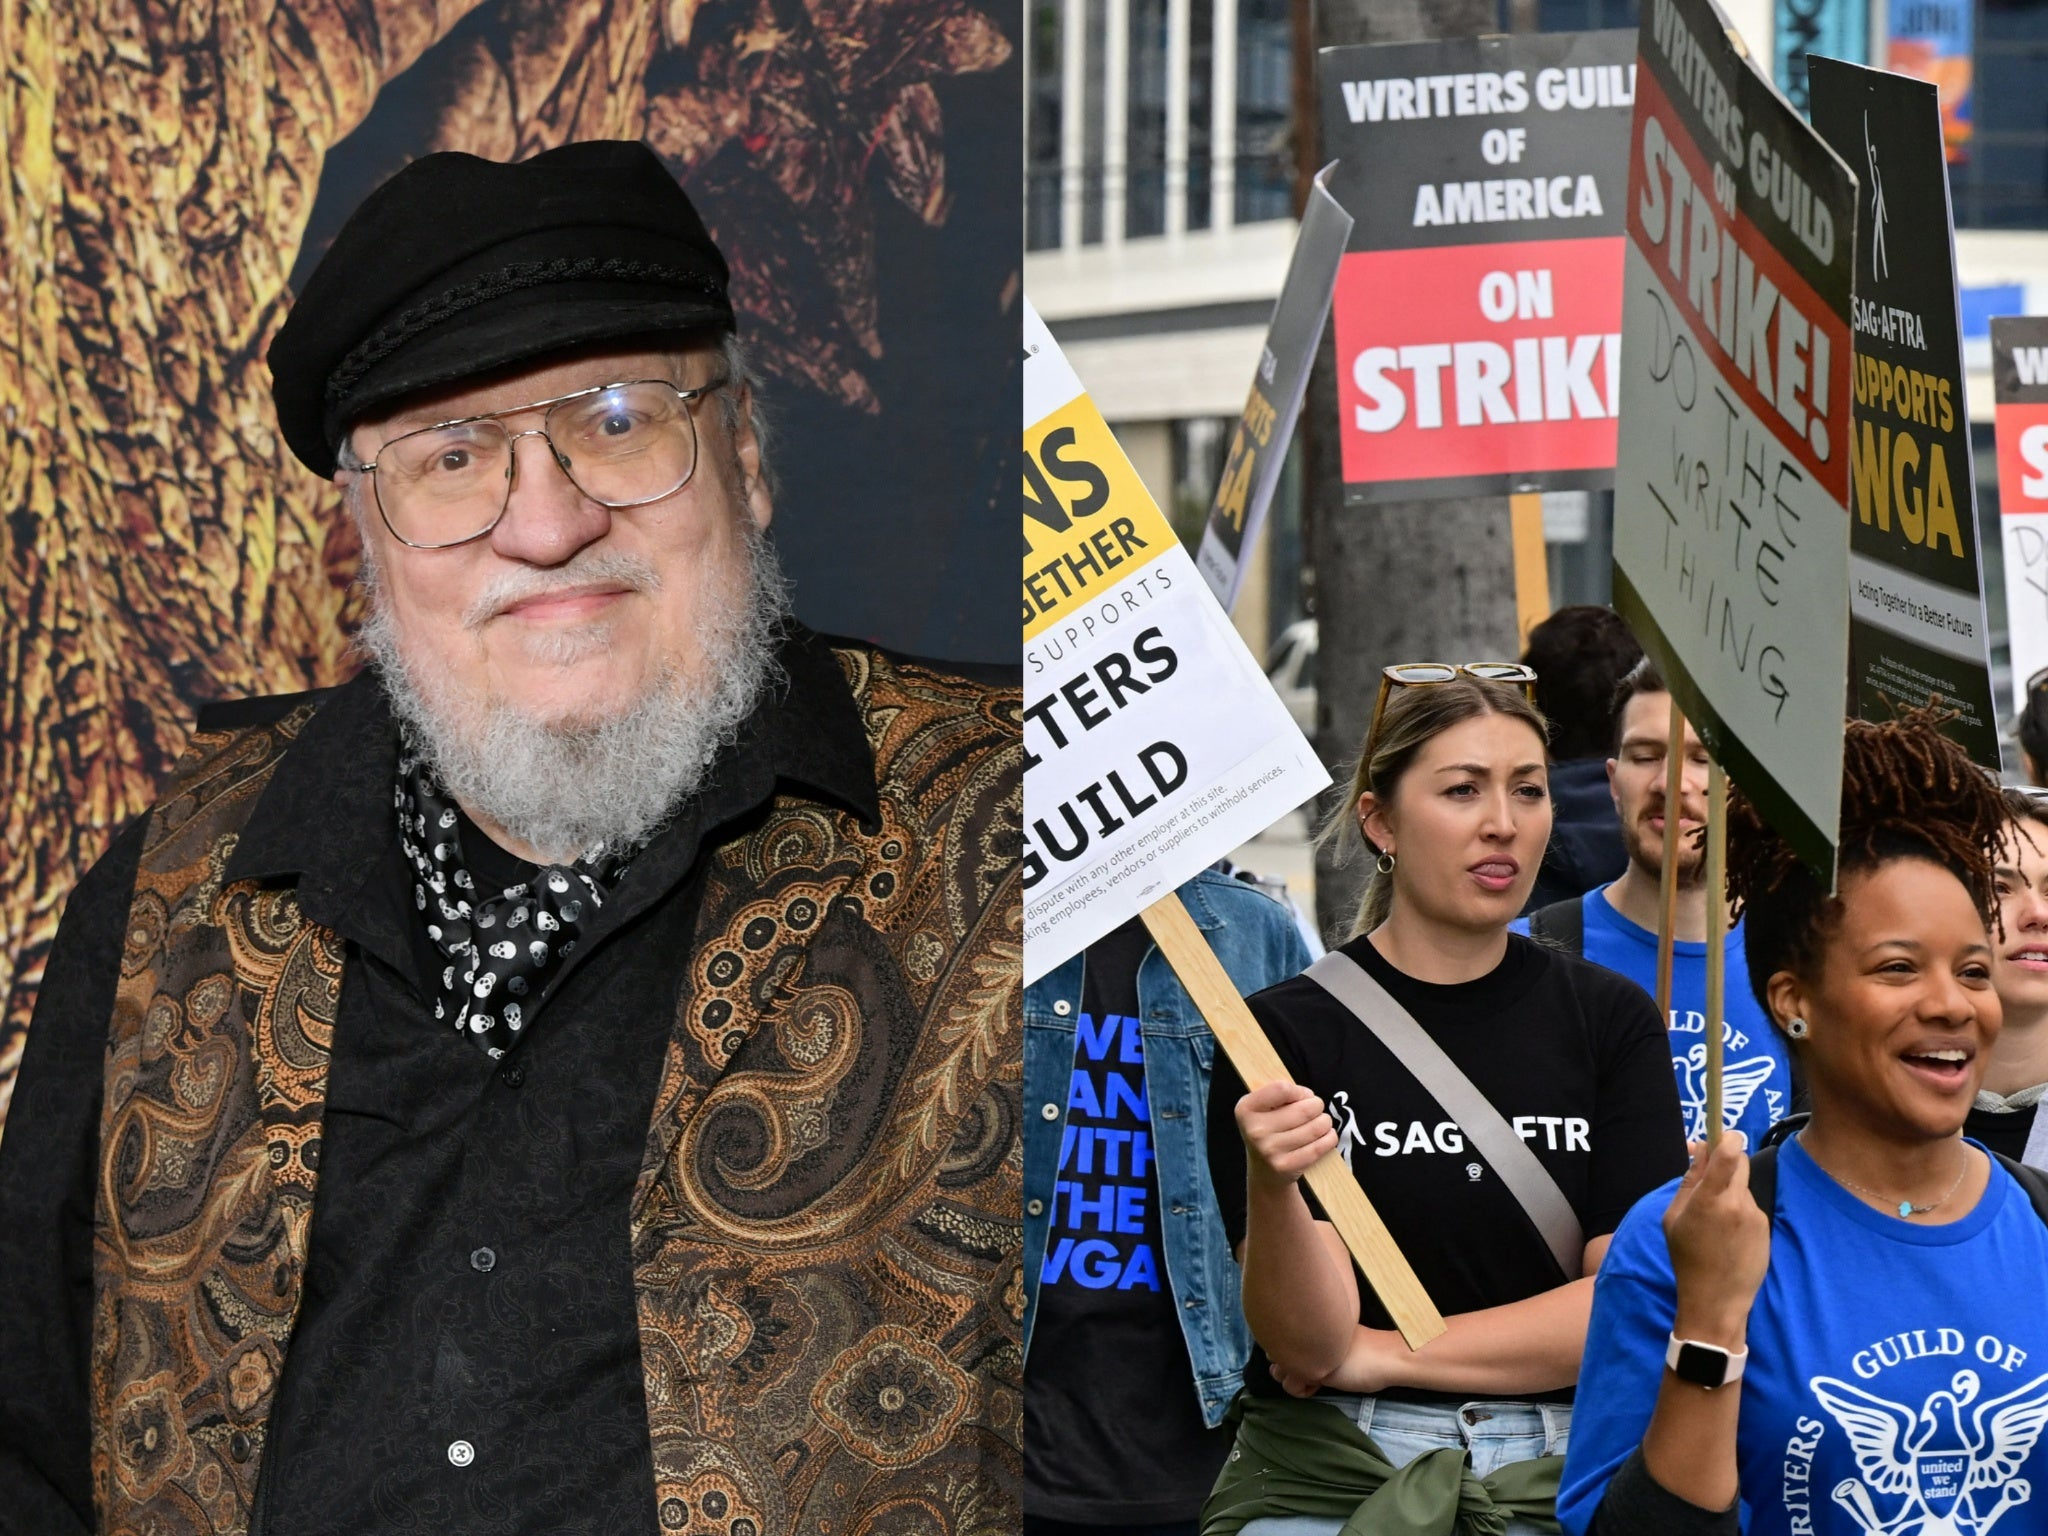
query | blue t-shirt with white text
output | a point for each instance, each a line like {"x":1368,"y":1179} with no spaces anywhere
{"x":1897,"y":1381}
{"x":1756,"y":1067}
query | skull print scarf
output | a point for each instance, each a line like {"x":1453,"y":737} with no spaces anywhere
{"x":499,"y":948}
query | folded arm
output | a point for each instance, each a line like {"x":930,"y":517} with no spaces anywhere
{"x":1532,"y":1345}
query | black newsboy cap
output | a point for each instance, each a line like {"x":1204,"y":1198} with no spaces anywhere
{"x":457,"y":266}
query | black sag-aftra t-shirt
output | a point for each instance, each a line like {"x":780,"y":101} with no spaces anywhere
{"x":1572,"y":1055}
{"x":1113,"y":1430}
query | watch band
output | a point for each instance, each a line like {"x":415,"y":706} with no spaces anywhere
{"x":1704,"y":1365}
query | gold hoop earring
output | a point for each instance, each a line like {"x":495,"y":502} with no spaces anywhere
{"x":1385,"y":863}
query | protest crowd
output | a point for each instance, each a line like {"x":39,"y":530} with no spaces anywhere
{"x":1202,"y":1355}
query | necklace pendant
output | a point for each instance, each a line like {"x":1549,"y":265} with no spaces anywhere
{"x":1905,"y":1209}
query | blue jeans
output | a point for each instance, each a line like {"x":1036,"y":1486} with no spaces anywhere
{"x":1494,"y":1434}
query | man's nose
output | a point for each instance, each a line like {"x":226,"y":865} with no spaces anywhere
{"x":547,"y":519}
{"x":2033,"y":908}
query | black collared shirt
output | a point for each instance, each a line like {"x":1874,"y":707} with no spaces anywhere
{"x":466,"y":1357}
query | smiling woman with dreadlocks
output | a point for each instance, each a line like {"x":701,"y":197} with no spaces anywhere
{"x":1844,"y":1335}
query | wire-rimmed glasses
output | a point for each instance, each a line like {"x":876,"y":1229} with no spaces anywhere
{"x":622,"y":445}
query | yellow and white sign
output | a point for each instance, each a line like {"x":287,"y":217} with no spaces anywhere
{"x":1154,"y":744}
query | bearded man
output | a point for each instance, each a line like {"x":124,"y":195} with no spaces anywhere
{"x":565,"y":1079}
{"x":1615,"y":925}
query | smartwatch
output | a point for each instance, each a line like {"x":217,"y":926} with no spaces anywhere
{"x":1704,"y":1365}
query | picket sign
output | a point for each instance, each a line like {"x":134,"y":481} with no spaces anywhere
{"x":1258,"y":448}
{"x":2019,"y":379}
{"x":1732,"y":541}
{"x":1918,"y":632}
{"x":1478,"y":306}
{"x":1130,"y":662}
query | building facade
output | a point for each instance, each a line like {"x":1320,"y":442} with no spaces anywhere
{"x":1160,"y":139}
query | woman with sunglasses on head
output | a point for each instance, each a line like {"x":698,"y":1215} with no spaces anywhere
{"x":1451,"y":802}
{"x":1845,"y":1335}
{"x":2007,"y":1116}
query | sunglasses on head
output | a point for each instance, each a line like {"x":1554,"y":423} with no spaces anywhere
{"x":1420,"y":674}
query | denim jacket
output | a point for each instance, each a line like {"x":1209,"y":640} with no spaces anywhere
{"x":1257,"y":941}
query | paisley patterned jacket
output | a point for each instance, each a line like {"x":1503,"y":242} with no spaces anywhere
{"x":814,"y":927}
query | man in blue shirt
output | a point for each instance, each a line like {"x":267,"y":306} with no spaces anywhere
{"x":1616,"y":925}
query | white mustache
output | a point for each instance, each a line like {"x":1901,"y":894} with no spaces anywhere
{"x":627,"y":570}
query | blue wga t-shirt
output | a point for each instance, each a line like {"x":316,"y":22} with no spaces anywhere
{"x":1897,"y":1382}
{"x":1756,"y":1068}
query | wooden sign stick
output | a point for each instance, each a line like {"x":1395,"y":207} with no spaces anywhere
{"x":1717,"y":948}
{"x":1386,"y":1270}
{"x":1667,"y":882}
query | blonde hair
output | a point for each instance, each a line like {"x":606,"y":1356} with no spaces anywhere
{"x":1414,"y":717}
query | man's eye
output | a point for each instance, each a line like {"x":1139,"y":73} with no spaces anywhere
{"x":618,"y":424}
{"x":451,"y":461}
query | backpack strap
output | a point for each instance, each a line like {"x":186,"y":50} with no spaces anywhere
{"x":1562,"y":926}
{"x":1763,"y":1179}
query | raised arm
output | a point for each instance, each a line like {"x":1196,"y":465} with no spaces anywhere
{"x":1652,"y":1455}
{"x":1720,"y":1247}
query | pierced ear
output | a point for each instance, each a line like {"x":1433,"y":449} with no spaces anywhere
{"x":1374,"y":821}
{"x":1786,"y":997}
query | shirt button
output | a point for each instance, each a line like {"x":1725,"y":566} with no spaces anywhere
{"x":238,"y":1446}
{"x":461,"y":1453}
{"x":514,"y":1075}
{"x":1035,"y":1208}
{"x":1049,"y":1112}
{"x":1062,"y":1007}
{"x":483,"y":1261}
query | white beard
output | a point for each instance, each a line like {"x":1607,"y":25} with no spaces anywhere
{"x":568,"y":790}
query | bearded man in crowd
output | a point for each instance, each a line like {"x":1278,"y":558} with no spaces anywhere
{"x":566,"y":1078}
